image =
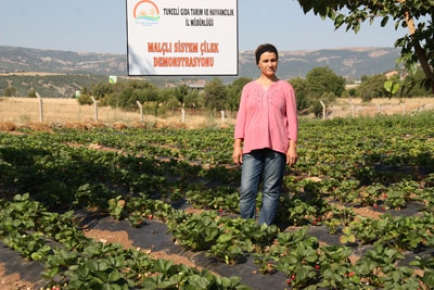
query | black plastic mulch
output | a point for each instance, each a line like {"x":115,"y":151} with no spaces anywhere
{"x":28,"y":271}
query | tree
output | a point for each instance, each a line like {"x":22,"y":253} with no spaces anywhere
{"x":372,"y":87}
{"x":181,"y":92}
{"x":301,"y":94}
{"x":322,"y":80}
{"x":9,"y":92}
{"x":215,"y":95}
{"x":324,"y":85}
{"x":234,"y":92}
{"x":32,"y":94}
{"x":173,"y":104}
{"x":416,"y":46}
{"x":164,"y":95}
{"x":192,"y":100}
{"x":413,"y":85}
{"x":101,"y":90}
{"x":84,"y":99}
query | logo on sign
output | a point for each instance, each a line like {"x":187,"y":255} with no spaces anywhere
{"x":146,"y":13}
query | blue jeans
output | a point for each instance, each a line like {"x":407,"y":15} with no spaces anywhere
{"x":266,"y":164}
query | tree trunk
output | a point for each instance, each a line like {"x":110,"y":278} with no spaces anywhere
{"x":420,"y":52}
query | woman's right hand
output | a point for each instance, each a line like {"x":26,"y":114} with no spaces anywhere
{"x":237,"y":155}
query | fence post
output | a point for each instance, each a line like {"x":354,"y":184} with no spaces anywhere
{"x":95,"y":105}
{"x":41,"y":110}
{"x":141,"y":110}
{"x":379,"y":108}
{"x":323,"y":110}
{"x":223,"y":116}
{"x":182,"y":115}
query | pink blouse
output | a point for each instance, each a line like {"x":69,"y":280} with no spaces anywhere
{"x":267,"y":118}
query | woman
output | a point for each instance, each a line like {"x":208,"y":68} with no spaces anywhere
{"x":265,"y":136}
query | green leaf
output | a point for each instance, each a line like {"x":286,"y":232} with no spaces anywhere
{"x":391,"y":86}
{"x":50,"y":273}
{"x":163,"y":266}
{"x":36,"y":256}
{"x":114,"y":276}
{"x":199,"y":282}
{"x":224,"y":238}
{"x":384,"y":21}
{"x":83,"y":272}
{"x":356,"y":28}
{"x":343,"y":239}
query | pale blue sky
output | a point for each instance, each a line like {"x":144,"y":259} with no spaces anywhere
{"x":100,"y":26}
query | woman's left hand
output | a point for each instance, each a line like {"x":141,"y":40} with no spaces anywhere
{"x":291,"y":154}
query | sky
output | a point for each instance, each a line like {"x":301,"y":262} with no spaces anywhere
{"x":100,"y":26}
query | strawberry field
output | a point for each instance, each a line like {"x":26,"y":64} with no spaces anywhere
{"x":357,"y":210}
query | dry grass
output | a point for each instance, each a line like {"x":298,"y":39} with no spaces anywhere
{"x":67,"y":112}
{"x":355,"y":107}
{"x":19,"y":112}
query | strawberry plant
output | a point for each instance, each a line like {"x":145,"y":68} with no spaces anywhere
{"x":333,"y":225}
{"x":299,"y":264}
{"x":401,"y":278}
{"x":427,"y":266}
{"x":377,"y":260}
{"x":116,"y":206}
{"x":336,"y":270}
{"x":301,"y":212}
{"x":347,"y":236}
{"x":406,"y":232}
{"x":367,"y":230}
{"x":338,"y":219}
{"x":399,"y":194}
{"x":227,"y":249}
{"x":198,"y":232}
{"x":347,"y":191}
{"x":371,"y":193}
{"x":214,"y":198}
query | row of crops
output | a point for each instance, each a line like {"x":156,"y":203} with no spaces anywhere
{"x":383,"y":164}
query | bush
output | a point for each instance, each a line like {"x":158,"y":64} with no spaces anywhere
{"x":84,"y":99}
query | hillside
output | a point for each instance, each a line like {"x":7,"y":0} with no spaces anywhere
{"x":351,"y":63}
{"x":18,"y":59}
{"x":59,"y":74}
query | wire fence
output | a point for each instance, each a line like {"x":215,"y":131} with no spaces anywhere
{"x":52,"y":110}
{"x":63,"y":111}
{"x":351,"y":108}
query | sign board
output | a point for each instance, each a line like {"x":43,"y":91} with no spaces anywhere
{"x":112,"y":79}
{"x":189,"y":37}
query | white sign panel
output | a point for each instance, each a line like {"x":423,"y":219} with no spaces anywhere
{"x":182,"y":37}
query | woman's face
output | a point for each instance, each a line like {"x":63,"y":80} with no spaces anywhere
{"x":268,"y":64}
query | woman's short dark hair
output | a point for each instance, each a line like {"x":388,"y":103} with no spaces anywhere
{"x":267,"y":47}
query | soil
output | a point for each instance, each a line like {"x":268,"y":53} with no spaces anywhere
{"x":121,"y":237}
{"x":13,"y":281}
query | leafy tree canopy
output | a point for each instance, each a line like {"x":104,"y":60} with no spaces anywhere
{"x":416,"y":15}
{"x":322,"y":80}
{"x":234,"y":92}
{"x":372,"y":87}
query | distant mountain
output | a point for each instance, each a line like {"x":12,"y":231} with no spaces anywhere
{"x":19,"y":59}
{"x":351,"y":63}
